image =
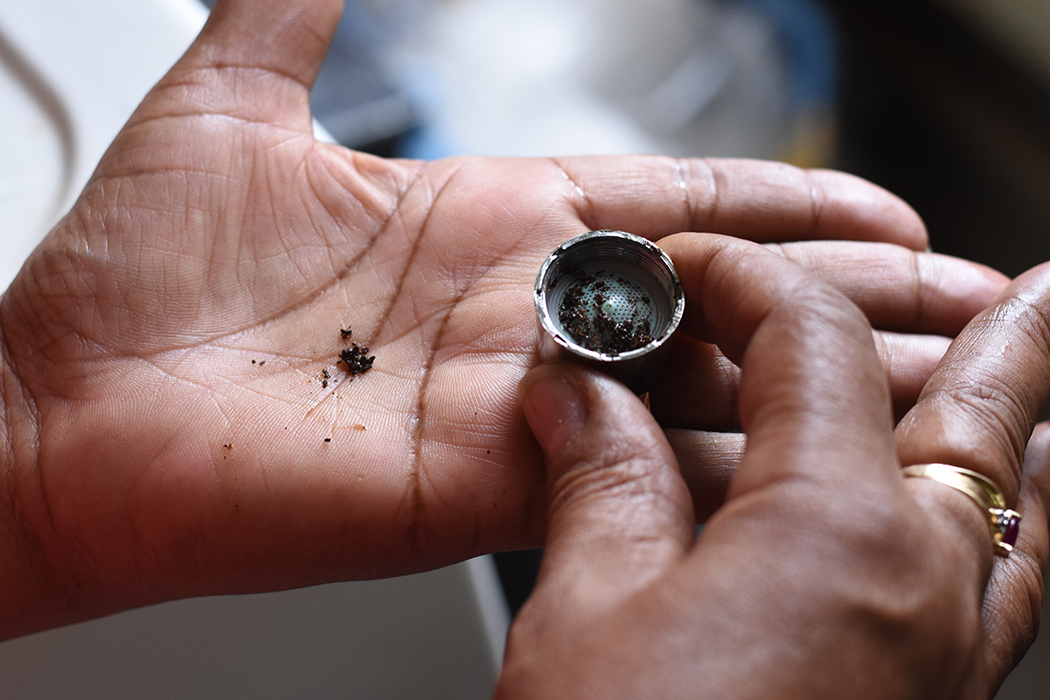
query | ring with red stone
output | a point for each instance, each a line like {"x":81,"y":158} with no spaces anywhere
{"x":1005,"y":524}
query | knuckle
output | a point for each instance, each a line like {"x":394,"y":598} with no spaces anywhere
{"x":627,"y":473}
{"x":904,"y":592}
{"x":886,"y":579}
{"x":992,"y":409}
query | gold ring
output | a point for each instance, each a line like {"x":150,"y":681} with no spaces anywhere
{"x":1004,"y":523}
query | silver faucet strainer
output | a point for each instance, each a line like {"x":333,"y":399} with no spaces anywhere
{"x":610,"y":299}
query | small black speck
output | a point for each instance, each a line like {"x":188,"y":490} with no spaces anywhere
{"x":345,"y":333}
{"x":253,"y":362}
{"x":488,"y":452}
{"x":328,"y":439}
{"x":324,"y":383}
{"x":262,"y":362}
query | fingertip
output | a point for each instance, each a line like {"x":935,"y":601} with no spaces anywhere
{"x":1033,"y":287}
{"x":705,"y":264}
{"x":555,"y":406}
{"x":577,"y":413}
{"x":868,"y":211}
{"x":965,"y":287}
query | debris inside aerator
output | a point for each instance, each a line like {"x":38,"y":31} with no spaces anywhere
{"x":607,"y":313}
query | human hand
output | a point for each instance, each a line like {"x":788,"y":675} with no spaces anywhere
{"x":918,"y":300}
{"x":825,"y":573}
{"x":978,"y":412}
{"x":168,"y":428}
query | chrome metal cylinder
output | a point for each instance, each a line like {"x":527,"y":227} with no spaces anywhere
{"x":611,"y":300}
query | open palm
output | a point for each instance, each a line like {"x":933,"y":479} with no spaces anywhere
{"x":178,"y":419}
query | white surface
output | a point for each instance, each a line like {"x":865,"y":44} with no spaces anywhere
{"x":419,"y":637}
{"x":71,"y":73}
{"x":564,"y":77}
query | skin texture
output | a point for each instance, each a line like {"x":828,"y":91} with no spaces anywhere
{"x":825,"y":574}
{"x":167,"y":431}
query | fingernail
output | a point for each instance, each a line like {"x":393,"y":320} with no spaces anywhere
{"x":556,"y":410}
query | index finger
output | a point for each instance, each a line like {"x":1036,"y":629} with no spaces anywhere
{"x":757,"y":200}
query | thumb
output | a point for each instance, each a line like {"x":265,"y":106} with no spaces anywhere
{"x":619,"y":512}
{"x":255,"y":60}
{"x":287,"y":38}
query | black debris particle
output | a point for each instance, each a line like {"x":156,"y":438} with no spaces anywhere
{"x":328,"y":439}
{"x":356,"y":359}
{"x":262,"y":362}
{"x":253,"y":362}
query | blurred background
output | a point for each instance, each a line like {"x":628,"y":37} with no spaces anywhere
{"x":945,"y":102}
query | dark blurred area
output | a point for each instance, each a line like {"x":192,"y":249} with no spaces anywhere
{"x":934,"y":110}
